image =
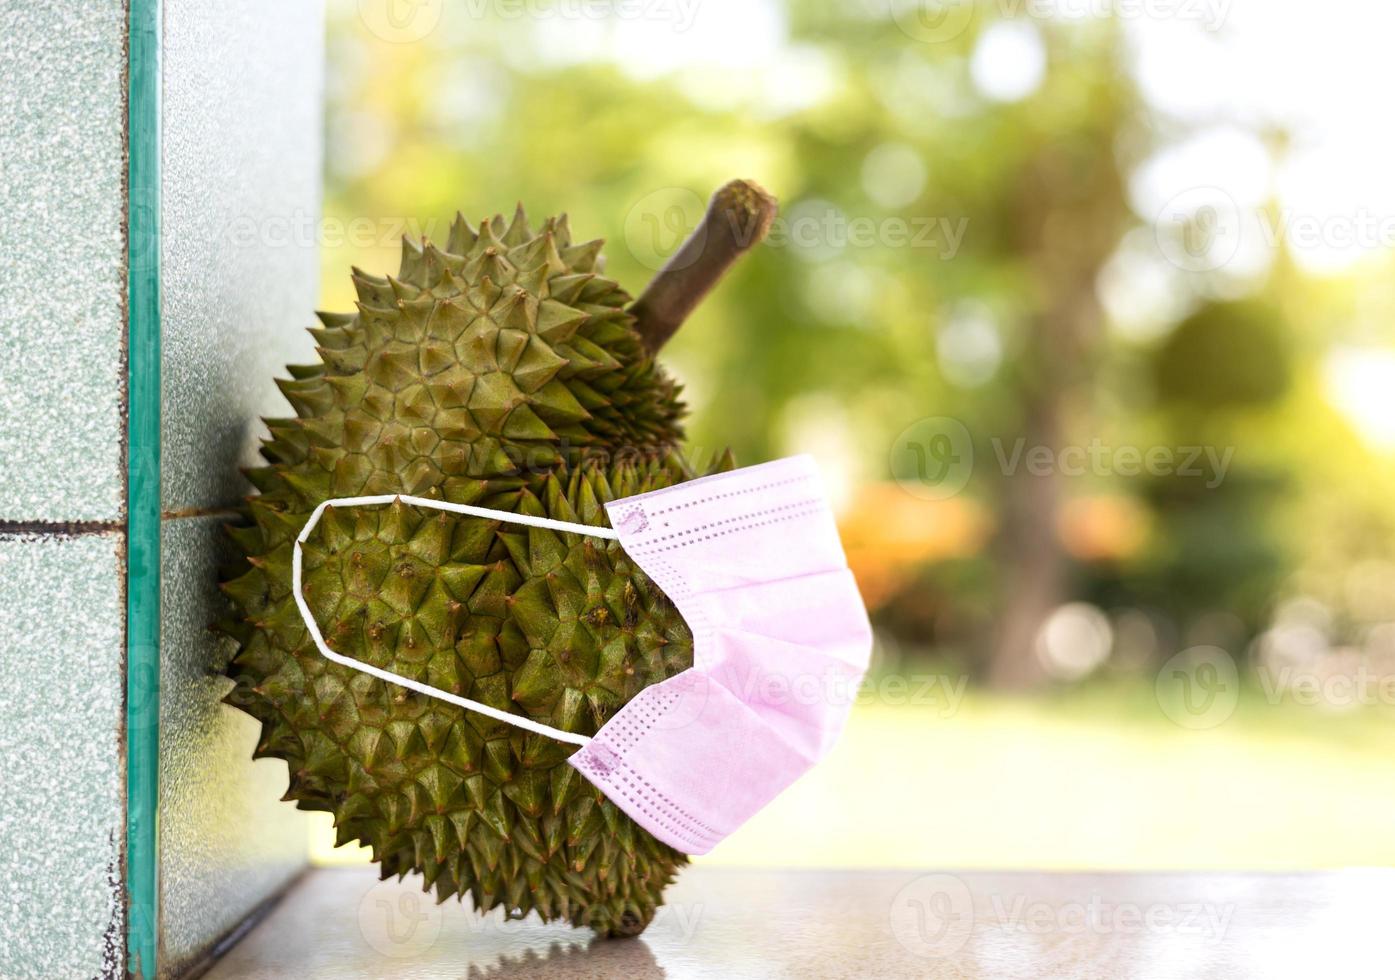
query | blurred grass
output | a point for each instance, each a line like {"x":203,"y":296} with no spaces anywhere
{"x":1097,"y":778}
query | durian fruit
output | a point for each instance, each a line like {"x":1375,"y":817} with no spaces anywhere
{"x":502,"y":370}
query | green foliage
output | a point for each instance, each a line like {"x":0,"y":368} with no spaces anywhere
{"x":840,"y":346}
{"x":1225,"y":356}
{"x":500,"y":371}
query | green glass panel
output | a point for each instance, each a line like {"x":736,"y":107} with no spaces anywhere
{"x":143,"y":491}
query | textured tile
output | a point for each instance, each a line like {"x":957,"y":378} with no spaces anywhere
{"x":226,"y":840}
{"x":62,"y":811}
{"x":241,"y":187}
{"x":62,"y":284}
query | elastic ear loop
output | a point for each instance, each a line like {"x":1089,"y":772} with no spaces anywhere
{"x":518,"y":721}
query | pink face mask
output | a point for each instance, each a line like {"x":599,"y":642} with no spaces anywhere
{"x":752,"y":560}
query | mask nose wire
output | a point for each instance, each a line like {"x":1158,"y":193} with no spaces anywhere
{"x":518,"y":721}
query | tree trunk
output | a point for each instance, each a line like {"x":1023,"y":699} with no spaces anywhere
{"x":1069,"y":217}
{"x":1032,"y":563}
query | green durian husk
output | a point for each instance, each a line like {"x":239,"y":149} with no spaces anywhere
{"x":501,"y":371}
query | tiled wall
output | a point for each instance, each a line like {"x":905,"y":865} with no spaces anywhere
{"x":240,"y":181}
{"x":63,"y":283}
{"x":241,"y":198}
{"x":62,"y":488}
{"x":63,"y":802}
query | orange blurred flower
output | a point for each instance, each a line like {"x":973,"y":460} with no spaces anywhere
{"x":888,"y":534}
{"x":1102,"y":528}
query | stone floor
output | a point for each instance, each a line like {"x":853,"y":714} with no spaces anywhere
{"x":720,"y":923}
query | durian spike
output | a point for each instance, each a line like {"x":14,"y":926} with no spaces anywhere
{"x":737,"y":219}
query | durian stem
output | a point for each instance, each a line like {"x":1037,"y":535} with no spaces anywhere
{"x":738,"y":218}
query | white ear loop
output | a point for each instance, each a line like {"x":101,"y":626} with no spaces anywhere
{"x":518,"y":721}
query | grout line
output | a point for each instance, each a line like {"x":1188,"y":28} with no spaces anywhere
{"x":63,"y":529}
{"x":72,"y":529}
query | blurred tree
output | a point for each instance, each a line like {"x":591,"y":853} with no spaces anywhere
{"x":1068,"y":215}
{"x":947,"y":211}
{"x":1039,"y":183}
{"x":1217,"y":547}
{"x":1226,"y":355}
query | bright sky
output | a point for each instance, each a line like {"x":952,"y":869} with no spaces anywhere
{"x":1324,"y":72}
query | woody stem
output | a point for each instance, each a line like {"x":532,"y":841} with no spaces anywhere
{"x":737,"y":219}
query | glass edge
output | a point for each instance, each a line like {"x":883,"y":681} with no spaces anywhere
{"x":143,"y":487}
